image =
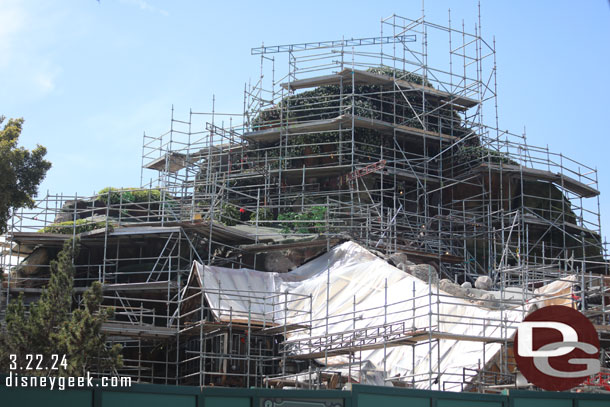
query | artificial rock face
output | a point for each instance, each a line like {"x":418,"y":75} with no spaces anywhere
{"x":450,"y":287}
{"x":278,"y":262}
{"x":289,"y":259}
{"x":478,"y":296}
{"x":483,"y":283}
{"x":398,"y":258}
{"x":422,"y":271}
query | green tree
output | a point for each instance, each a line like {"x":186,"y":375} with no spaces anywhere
{"x":14,"y":339}
{"x":85,"y":342}
{"x":52,"y":310}
{"x":21,"y":171}
{"x":50,"y":327}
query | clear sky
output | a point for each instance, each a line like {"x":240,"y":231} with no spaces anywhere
{"x":90,"y":77}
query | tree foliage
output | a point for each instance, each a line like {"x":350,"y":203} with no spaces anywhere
{"x":310,"y":221}
{"x":21,"y":171}
{"x":50,"y":327}
{"x":85,"y":344}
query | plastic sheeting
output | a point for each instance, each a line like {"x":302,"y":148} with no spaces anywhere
{"x":349,"y":289}
{"x":558,"y":292}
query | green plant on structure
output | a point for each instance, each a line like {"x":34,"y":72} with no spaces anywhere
{"x":370,"y":101}
{"x":311,"y":221}
{"x":128,"y":195}
{"x":477,"y":153}
{"x":365,"y":101}
{"x":264,"y":216}
{"x":229,"y":214}
{"x":80,"y":226}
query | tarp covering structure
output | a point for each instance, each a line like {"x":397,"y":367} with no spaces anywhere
{"x":558,"y":292}
{"x":350,"y":300}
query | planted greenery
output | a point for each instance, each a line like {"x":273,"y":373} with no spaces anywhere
{"x":399,"y":74}
{"x":264,"y":214}
{"x":80,"y":226}
{"x":476,"y":153}
{"x":311,"y":221}
{"x":367,"y":101}
{"x":229,"y":214}
{"x":129,"y":195}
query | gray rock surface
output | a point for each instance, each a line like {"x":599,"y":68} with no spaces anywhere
{"x":480,"y":297}
{"x":483,"y":283}
{"x":35,"y":261}
{"x":424,"y":272}
{"x":277,"y":262}
{"x":397,"y":258}
{"x":67,"y":212}
{"x":450,"y":287}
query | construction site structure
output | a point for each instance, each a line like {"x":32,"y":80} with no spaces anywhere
{"x":388,"y":143}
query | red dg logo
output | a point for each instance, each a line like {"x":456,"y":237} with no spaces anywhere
{"x":557,"y":348}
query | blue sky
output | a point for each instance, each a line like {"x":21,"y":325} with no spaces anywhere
{"x":90,"y":78}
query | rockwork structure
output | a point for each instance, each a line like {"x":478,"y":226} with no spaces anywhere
{"x":383,"y":141}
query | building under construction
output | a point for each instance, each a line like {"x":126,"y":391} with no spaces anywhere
{"x":364,"y":219}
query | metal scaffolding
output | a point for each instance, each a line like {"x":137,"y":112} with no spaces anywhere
{"x":385,"y":141}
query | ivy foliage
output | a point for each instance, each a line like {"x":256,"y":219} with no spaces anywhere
{"x":368,"y":101}
{"x":50,"y":328}
{"x":80,"y":226}
{"x":310,"y":221}
{"x":264,"y":215}
{"x":21,"y":171}
{"x":128,"y":195}
{"x":229,"y":214}
{"x":477,"y":153}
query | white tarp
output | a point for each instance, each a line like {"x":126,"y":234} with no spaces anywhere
{"x":558,"y":292}
{"x":355,"y":277}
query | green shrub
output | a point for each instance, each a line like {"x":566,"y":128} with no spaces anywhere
{"x":311,"y":221}
{"x":264,"y":214}
{"x":81,"y":225}
{"x":476,"y":153}
{"x":229,"y":214}
{"x":130,"y":195}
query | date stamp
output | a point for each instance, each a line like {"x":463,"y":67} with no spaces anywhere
{"x":48,"y":371}
{"x":38,"y":362}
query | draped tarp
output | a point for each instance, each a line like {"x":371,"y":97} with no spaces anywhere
{"x":350,"y":277}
